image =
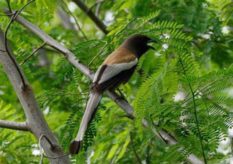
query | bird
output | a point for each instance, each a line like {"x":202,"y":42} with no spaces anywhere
{"x":116,"y":69}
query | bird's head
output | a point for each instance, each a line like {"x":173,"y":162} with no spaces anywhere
{"x":138,"y":44}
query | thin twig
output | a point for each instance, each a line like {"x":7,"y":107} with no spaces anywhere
{"x":148,"y":148}
{"x":91,"y":15}
{"x":13,"y":17}
{"x":97,"y":9}
{"x":96,"y":5}
{"x":24,"y":7}
{"x":6,"y":15}
{"x":8,"y":51}
{"x":135,"y":152}
{"x":100,"y":52}
{"x":76,"y":21}
{"x":195,"y":113}
{"x":35,"y":51}
{"x":9,"y":5}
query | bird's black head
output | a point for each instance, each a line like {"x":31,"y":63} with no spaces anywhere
{"x":138,"y":44}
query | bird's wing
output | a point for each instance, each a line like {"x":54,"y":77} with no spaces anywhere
{"x":120,"y":60}
{"x":106,"y":72}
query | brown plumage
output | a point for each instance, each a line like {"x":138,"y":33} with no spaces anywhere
{"x":116,"y":69}
{"x":120,"y":55}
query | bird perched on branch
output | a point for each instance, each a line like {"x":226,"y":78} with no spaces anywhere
{"x":116,"y":69}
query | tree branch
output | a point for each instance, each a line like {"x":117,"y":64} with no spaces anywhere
{"x":172,"y":141}
{"x":14,"y":125}
{"x":35,"y":51}
{"x":67,"y":12}
{"x":91,"y":15}
{"x":122,"y":103}
{"x":35,"y":119}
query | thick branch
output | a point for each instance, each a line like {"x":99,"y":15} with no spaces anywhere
{"x":91,"y":15}
{"x":35,"y":120}
{"x":14,"y":125}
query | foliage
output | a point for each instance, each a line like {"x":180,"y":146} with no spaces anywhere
{"x":192,"y":60}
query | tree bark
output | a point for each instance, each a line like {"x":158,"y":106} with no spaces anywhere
{"x":34,"y":117}
{"x":14,"y":125}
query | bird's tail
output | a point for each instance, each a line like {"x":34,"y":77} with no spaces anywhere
{"x":91,"y":108}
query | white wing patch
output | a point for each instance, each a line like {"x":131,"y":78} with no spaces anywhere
{"x":113,"y":70}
